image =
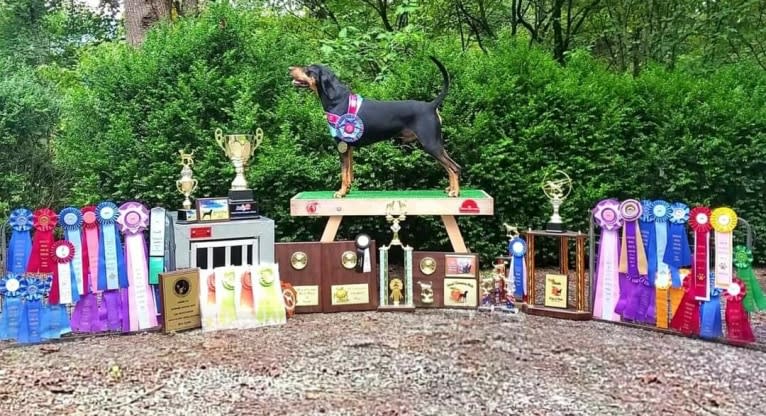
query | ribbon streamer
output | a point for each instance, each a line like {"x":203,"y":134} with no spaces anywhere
{"x":11,"y":289}
{"x":699,"y":222}
{"x":661,"y":210}
{"x":677,"y":253}
{"x":269,"y":302}
{"x":32,"y":316}
{"x":64,"y":289}
{"x":754,"y":299}
{"x":71,"y":222}
{"x":738,"y":329}
{"x":608,"y":218}
{"x":225,"y":282}
{"x":20,"y":246}
{"x":711,"y":326}
{"x":517,"y":248}
{"x":686,"y":320}
{"x":723,"y":220}
{"x":90,"y":235}
{"x":133,"y":220}
{"x":245,"y":306}
{"x":111,"y":262}
{"x":40,"y":258}
{"x":647,"y":225}
{"x":662,"y":284}
{"x":633,"y":266}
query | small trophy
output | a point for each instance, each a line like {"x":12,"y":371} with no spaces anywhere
{"x":556,"y":188}
{"x":186,"y":185}
{"x":240,"y":148}
{"x":396,"y":293}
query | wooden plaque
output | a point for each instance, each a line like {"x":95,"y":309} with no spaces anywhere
{"x":179,"y":292}
{"x":346,"y":289}
{"x":461,"y":281}
{"x":300,"y":264}
{"x":423,"y":276}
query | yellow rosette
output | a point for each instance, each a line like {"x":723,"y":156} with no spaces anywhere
{"x":723,"y":220}
{"x":662,"y":283}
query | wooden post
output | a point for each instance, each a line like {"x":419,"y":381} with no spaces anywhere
{"x":331,"y":229}
{"x":453,"y":231}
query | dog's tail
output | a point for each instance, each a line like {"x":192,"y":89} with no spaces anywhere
{"x":445,"y":87}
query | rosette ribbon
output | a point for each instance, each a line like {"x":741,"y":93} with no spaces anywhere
{"x":723,"y":221}
{"x":661,"y":211}
{"x":754,"y":299}
{"x":661,"y":286}
{"x":225,"y":284}
{"x":33,"y":312}
{"x":648,"y":236}
{"x":699,"y":221}
{"x":133,"y":220}
{"x":70,"y":220}
{"x":677,"y":253}
{"x":90,"y":235}
{"x":635,"y":292}
{"x":711,"y":326}
{"x":686,"y":319}
{"x":269,"y":302}
{"x":738,"y":329}
{"x":40,"y":258}
{"x":111,"y":263}
{"x":608,"y":218}
{"x":11,"y":289}
{"x":245,"y":306}
{"x":64,"y":289}
{"x":517,"y":249}
{"x":20,"y":246}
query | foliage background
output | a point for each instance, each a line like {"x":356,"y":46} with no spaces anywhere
{"x":106,"y":120}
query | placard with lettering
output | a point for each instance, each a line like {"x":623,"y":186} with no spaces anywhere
{"x":180,"y":300}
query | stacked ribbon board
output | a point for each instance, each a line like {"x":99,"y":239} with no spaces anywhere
{"x":95,"y":278}
{"x":647,"y":271}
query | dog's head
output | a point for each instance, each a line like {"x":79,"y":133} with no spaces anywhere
{"x":319,"y":79}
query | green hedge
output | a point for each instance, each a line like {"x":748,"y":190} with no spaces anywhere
{"x":511,"y":116}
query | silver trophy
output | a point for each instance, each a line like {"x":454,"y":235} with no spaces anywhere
{"x":557,"y":188}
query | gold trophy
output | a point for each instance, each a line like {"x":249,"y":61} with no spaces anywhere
{"x":399,"y":298}
{"x":239,"y":148}
{"x":186,"y":185}
{"x":556,"y":188}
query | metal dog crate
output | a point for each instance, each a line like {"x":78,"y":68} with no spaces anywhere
{"x":217,"y":244}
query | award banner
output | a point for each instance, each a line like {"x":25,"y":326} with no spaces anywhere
{"x":133,"y":220}
{"x":634,"y":292}
{"x":90,"y":238}
{"x":724,"y":220}
{"x":677,"y":253}
{"x":648,"y":236}
{"x":226,"y":282}
{"x":44,"y":221}
{"x":699,"y":221}
{"x":738,"y":329}
{"x":662,"y":214}
{"x":268,"y":297}
{"x":156,"y":244}
{"x":711,"y":326}
{"x":11,"y":289}
{"x":662,"y":285}
{"x":686,"y":320}
{"x":31,"y":327}
{"x":754,"y":299}
{"x":677,"y":293}
{"x":20,"y":246}
{"x":64,"y":288}
{"x":207,"y":299}
{"x":71,"y":222}
{"x":112,"y":273}
{"x":607,"y":216}
{"x":517,"y":249}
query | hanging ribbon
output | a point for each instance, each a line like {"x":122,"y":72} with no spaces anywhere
{"x":754,"y":299}
{"x":699,"y":221}
{"x":517,"y":248}
{"x":40,"y":258}
{"x":20,"y":246}
{"x":31,"y":327}
{"x":607,"y":216}
{"x":115,"y":313}
{"x":648,"y":230}
{"x":90,"y":237}
{"x":64,"y":289}
{"x":723,"y":220}
{"x":71,"y":222}
{"x":225,"y":278}
{"x":11,"y":289}
{"x":661,"y":210}
{"x":633,"y":265}
{"x":738,"y":329}
{"x":662,"y":284}
{"x":246,"y":304}
{"x":111,"y":263}
{"x":133,"y":220}
{"x":677,"y":293}
{"x":677,"y":253}
{"x":711,"y":326}
{"x":156,"y":244}
{"x":269,"y":302}
{"x":686,"y":320}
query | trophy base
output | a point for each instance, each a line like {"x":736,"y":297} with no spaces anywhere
{"x":187,"y":215}
{"x":396,"y":308}
{"x":241,"y":194}
{"x":243,"y":210}
{"x":555,"y":227}
{"x":498,"y":308}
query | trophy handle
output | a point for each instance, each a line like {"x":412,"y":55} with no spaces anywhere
{"x":194,"y":185}
{"x":258,"y":139}
{"x":178,"y":186}
{"x":219,"y":138}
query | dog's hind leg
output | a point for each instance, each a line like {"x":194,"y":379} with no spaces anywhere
{"x":454,"y":172}
{"x":345,"y":174}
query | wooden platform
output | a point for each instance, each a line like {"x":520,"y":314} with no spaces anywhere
{"x":374,"y":203}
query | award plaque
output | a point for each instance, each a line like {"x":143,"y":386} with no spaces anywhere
{"x":428,"y":278}
{"x":180,"y":300}
{"x":239,"y":148}
{"x":461,"y":285}
{"x":343,"y":287}
{"x":300,"y":265}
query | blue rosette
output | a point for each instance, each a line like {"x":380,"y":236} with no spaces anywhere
{"x":517,"y":248}
{"x":20,"y":245}
{"x":112,"y":273}
{"x":11,"y":289}
{"x":677,"y":252}
{"x":70,"y":218}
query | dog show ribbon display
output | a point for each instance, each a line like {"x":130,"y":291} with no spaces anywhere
{"x":754,"y":299}
{"x":111,"y":262}
{"x":517,"y":249}
{"x":677,"y":253}
{"x":633,"y":266}
{"x":738,"y":329}
{"x":686,"y":319}
{"x":11,"y":289}
{"x":20,"y":246}
{"x":70,"y":220}
{"x":723,"y":221}
{"x":90,"y":237}
{"x":711,"y":326}
{"x":32,"y":317}
{"x":608,"y":218}
{"x":269,"y":302}
{"x":661,"y":286}
{"x":661,"y":210}
{"x":647,"y":225}
{"x":699,"y":221}
{"x":40,"y":258}
{"x":64,"y":289}
{"x":348,"y":127}
{"x":133,"y":220}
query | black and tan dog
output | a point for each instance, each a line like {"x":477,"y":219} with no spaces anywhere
{"x":355,"y":122}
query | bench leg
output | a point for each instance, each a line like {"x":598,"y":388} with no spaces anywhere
{"x":458,"y":245}
{"x":331,"y":229}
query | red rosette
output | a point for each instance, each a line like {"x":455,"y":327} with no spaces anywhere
{"x":736,"y":291}
{"x":62,"y":251}
{"x":699,"y":219}
{"x":45,"y":219}
{"x":89,"y":217}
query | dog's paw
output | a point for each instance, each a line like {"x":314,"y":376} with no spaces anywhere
{"x":453,"y":193}
{"x":339,"y":194}
{"x":448,"y":189}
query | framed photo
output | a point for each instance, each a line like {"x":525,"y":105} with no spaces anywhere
{"x":461,"y":265}
{"x":556,"y":286}
{"x":212,"y":209}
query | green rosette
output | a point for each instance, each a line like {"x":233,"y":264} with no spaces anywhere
{"x":754,"y":300}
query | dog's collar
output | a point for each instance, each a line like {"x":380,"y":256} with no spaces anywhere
{"x":347,"y":127}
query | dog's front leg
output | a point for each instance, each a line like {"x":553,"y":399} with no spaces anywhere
{"x":345,"y":174}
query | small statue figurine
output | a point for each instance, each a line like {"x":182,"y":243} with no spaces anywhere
{"x":426,"y":293}
{"x":495,"y":295}
{"x":396,"y":287}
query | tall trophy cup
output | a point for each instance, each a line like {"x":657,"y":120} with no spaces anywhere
{"x":556,"y":187}
{"x":186,"y":185}
{"x":396,"y":292}
{"x":239,"y":148}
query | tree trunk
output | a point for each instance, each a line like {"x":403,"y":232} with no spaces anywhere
{"x":140,"y":15}
{"x":559,"y":48}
